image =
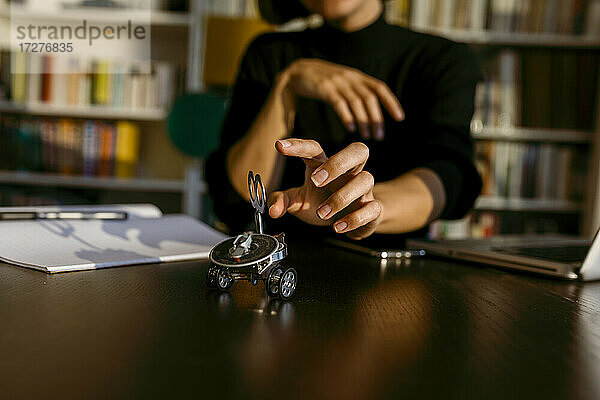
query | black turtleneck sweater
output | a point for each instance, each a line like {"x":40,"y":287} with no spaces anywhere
{"x":433,"y":78}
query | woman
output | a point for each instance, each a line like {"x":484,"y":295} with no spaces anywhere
{"x":379,"y":114}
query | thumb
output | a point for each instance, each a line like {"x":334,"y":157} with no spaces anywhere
{"x":283,"y":201}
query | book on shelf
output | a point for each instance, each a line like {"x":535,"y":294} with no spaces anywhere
{"x":127,"y":144}
{"x":535,"y":171}
{"x":398,"y":12}
{"x":232,"y":8}
{"x":68,"y":146}
{"x":591,"y":26}
{"x":421,"y":16}
{"x":102,"y":83}
{"x":478,"y":15}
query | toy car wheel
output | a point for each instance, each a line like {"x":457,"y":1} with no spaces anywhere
{"x":287,"y":283}
{"x":211,"y":277}
{"x":272,"y":283}
{"x":224,"y":279}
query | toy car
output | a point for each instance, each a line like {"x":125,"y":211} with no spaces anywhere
{"x":253,"y":256}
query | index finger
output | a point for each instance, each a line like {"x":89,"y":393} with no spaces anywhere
{"x":350,"y":159}
{"x":309,"y":150}
{"x":387,"y":97}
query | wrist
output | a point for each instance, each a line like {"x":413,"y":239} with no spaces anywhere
{"x":282,"y":98}
{"x":282,"y":79}
{"x":382,"y":198}
{"x":405,"y":204}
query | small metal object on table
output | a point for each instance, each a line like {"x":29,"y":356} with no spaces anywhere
{"x":253,"y":256}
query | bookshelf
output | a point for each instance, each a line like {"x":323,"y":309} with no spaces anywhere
{"x":534,"y":56}
{"x":162,"y":173}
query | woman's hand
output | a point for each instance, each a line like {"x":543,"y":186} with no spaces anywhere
{"x":336,"y":191}
{"x":354,"y":95}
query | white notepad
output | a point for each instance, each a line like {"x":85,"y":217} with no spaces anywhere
{"x":147,"y":236}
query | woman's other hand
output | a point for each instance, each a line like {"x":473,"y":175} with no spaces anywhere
{"x":336,"y":190}
{"x":354,"y":96}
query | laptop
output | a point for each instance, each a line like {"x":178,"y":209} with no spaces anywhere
{"x":553,"y":255}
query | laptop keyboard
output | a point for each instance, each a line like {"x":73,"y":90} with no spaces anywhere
{"x":566,"y":254}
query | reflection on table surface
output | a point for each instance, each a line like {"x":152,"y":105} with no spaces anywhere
{"x":358,"y":328}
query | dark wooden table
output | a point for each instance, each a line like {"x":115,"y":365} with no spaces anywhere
{"x":357,"y":329}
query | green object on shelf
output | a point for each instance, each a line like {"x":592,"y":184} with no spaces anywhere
{"x":194,"y":123}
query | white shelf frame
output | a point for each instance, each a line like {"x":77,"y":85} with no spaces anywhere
{"x":101,"y":112}
{"x":491,"y":203}
{"x":98,"y":14}
{"x":533,"y":135}
{"x":491,"y":38}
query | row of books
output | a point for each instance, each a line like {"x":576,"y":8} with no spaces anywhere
{"x":539,"y":88}
{"x":571,"y":17}
{"x":68,"y":146}
{"x":442,"y":14}
{"x":483,"y":224}
{"x":497,"y":99}
{"x":103,"y":83}
{"x":524,"y":170}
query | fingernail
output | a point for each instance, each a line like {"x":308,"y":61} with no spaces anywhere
{"x":399,"y":114}
{"x":284,"y":143}
{"x":379,"y":133}
{"x":319,"y":177}
{"x":324,"y":211}
{"x":364,"y":132}
{"x":340,"y":226}
{"x":351,"y":127}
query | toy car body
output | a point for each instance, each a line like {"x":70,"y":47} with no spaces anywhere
{"x":252,"y":257}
